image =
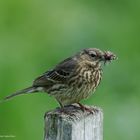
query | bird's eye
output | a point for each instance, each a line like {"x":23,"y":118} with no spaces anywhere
{"x":93,"y":55}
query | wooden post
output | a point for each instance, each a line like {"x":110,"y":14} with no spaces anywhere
{"x":74,"y":124}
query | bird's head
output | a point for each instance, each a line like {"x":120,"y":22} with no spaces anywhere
{"x":95,"y":56}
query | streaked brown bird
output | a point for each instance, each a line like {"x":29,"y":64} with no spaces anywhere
{"x":73,"y":79}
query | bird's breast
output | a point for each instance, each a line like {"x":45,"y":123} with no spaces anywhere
{"x":89,"y":79}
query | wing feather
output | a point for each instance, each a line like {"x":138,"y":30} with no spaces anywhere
{"x":59,"y":74}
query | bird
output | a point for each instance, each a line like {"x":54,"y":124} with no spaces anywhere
{"x":73,"y":79}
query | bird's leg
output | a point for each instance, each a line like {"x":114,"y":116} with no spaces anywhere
{"x":84,"y":108}
{"x":65,"y":110}
{"x":61,"y":105}
{"x":62,"y":108}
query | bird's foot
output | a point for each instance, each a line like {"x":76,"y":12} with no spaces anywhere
{"x":90,"y":110}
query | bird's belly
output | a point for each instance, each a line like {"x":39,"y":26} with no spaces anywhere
{"x":75,"y":94}
{"x":80,"y":89}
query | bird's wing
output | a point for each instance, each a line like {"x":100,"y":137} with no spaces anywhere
{"x":59,"y":74}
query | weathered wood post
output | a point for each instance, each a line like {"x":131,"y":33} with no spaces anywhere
{"x":74,"y":124}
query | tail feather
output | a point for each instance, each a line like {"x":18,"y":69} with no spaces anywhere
{"x":24,"y":91}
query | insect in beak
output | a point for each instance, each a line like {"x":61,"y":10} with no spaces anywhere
{"x":109,"y":56}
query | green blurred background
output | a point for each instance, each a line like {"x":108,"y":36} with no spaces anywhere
{"x":37,"y":34}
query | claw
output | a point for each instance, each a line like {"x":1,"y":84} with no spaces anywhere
{"x":84,"y":108}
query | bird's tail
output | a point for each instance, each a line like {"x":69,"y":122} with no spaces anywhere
{"x":24,"y":91}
